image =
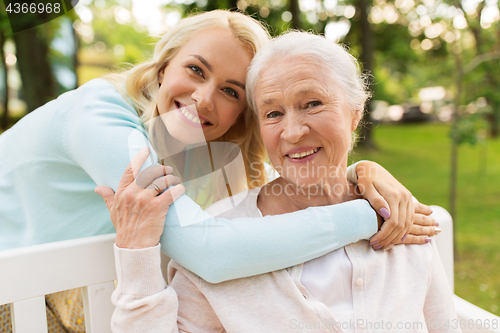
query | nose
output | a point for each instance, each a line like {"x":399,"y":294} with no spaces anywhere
{"x":294,"y":128}
{"x":204,"y":97}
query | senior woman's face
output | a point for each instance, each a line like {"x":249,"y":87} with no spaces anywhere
{"x":304,"y":120}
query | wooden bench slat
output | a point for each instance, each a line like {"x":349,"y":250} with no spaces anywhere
{"x":29,"y":316}
{"x":98,"y":307}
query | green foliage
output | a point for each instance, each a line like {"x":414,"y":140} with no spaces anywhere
{"x":468,"y":129}
{"x":419,"y":157}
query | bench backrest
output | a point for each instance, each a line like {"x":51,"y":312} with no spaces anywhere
{"x":28,"y":274}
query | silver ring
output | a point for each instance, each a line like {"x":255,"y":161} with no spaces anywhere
{"x":157,"y":188}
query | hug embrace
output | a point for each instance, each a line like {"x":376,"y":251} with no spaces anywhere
{"x":257,"y":261}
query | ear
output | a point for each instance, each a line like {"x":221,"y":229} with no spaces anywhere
{"x":160,"y":74}
{"x":356,"y":119}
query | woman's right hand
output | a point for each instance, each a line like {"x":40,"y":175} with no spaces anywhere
{"x":139,"y":207}
{"x":423,"y":228}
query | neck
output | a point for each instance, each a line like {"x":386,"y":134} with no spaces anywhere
{"x":282,"y":196}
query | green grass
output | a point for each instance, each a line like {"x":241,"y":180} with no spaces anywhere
{"x":419,"y":156}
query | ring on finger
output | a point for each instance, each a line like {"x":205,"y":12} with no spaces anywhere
{"x":157,"y":188}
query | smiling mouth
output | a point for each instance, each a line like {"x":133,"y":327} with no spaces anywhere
{"x":299,"y":156}
{"x":191,"y":117}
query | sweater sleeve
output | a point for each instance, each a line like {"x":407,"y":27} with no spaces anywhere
{"x":105,"y":134}
{"x":144,"y":303}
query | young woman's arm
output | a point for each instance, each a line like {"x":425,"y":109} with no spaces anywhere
{"x":101,"y":135}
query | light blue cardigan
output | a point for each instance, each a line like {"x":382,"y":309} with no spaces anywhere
{"x":52,"y":159}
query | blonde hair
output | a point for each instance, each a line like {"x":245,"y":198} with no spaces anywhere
{"x":142,"y":86}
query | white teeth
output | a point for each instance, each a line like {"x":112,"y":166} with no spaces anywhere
{"x":303,"y":154}
{"x":192,"y":117}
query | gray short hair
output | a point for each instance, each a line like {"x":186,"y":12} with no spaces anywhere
{"x":344,"y":68}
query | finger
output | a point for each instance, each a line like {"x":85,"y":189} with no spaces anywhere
{"x":107,"y":194}
{"x":133,"y":168}
{"x":420,"y":208}
{"x":163,"y":183}
{"x":148,"y":175}
{"x":382,"y":238}
{"x":424,"y":220}
{"x":400,"y":225}
{"x":376,"y":200}
{"x":388,"y":247}
{"x":417,"y":230}
{"x":410,"y":213}
{"x":172,"y":194}
{"x":412,"y":239}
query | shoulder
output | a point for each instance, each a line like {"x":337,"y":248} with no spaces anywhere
{"x":99,"y":101}
{"x":102,"y":92}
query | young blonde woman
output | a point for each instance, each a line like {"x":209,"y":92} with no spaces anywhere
{"x":51,"y":161}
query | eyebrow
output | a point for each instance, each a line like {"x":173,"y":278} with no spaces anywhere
{"x":305,"y":91}
{"x":209,"y":67}
{"x":203,"y":61}
{"x":267,"y":102}
{"x":238,"y":83}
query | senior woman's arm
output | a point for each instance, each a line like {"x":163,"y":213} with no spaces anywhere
{"x":143,"y":301}
{"x":102,"y":133}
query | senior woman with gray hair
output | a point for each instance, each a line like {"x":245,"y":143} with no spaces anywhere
{"x":309,"y":96}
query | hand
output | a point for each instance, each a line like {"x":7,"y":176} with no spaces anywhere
{"x":390,"y":199}
{"x":138,"y":208}
{"x":424,"y":226}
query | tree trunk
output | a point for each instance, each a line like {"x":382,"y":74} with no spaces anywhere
{"x":4,"y":122}
{"x":36,"y":73}
{"x":366,"y":41}
{"x":490,"y":70}
{"x":76,"y":63}
{"x":294,"y":9}
{"x":454,"y":154}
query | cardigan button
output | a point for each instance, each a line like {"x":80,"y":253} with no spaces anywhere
{"x":359,"y":281}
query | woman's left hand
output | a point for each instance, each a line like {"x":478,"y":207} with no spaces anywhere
{"x":140,"y":204}
{"x":390,"y":199}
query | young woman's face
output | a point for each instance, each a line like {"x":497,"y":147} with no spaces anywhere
{"x":202,"y":89}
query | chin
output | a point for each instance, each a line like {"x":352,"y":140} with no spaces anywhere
{"x":182,"y":132}
{"x":306,"y":182}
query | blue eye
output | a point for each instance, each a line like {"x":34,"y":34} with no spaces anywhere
{"x":197,"y":70}
{"x":273,"y":114}
{"x":231,"y":92}
{"x":313,"y":104}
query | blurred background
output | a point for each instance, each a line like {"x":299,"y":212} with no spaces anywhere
{"x":433,"y":121}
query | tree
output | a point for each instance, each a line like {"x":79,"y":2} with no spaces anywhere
{"x":32,"y":51}
{"x":366,"y":57}
{"x":4,"y":32}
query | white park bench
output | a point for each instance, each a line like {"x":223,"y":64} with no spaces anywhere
{"x":28,"y":274}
